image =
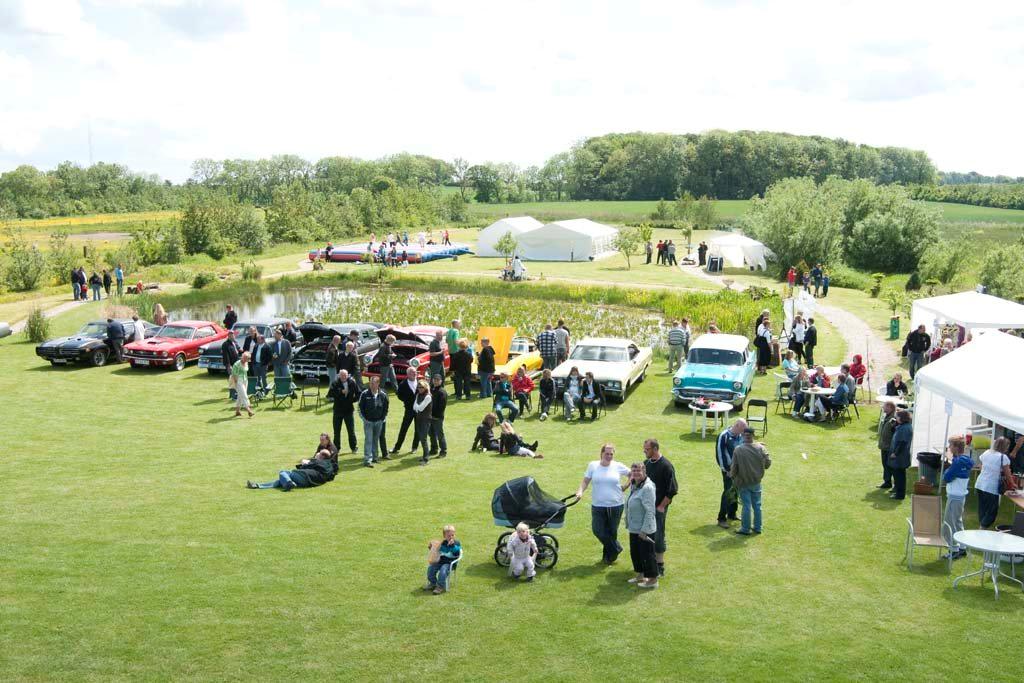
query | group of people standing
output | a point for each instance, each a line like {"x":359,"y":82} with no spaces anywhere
{"x":98,"y":283}
{"x":666,"y":253}
{"x":816,"y":277}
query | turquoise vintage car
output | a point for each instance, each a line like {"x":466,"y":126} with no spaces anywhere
{"x":719,"y":367}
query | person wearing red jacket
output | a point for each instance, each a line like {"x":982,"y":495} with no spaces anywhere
{"x":522,"y":386}
{"x":858,"y":369}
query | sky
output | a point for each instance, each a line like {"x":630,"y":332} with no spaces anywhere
{"x":160,"y":83}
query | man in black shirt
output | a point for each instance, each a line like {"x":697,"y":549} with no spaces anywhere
{"x":229,"y":354}
{"x":407,"y":395}
{"x":345,"y":394}
{"x":663,"y":474}
{"x":115,"y":338}
{"x":438,"y":402}
{"x":918,"y":343}
{"x":349,"y":361}
{"x":810,"y":341}
{"x":230,"y":318}
{"x":485,"y":367}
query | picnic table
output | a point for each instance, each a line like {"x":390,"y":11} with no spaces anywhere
{"x":718,"y":410}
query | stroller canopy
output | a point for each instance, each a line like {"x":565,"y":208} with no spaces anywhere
{"x":523,"y":500}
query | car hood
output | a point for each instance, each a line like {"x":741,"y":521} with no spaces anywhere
{"x":158,"y":343}
{"x":601,"y":369}
{"x":400,"y":335}
{"x":74,"y":340}
{"x":707,"y":375}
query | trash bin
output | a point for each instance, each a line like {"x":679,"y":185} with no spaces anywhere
{"x":928,"y":466}
{"x":894,"y":327}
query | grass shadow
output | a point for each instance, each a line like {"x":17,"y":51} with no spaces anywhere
{"x":880,"y":500}
{"x":208,"y":401}
{"x":730,"y":541}
{"x":615,"y":590}
{"x":708,"y":530}
{"x":229,"y":418}
{"x":579,"y":571}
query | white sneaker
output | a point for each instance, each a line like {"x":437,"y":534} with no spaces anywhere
{"x":648,"y":583}
{"x":635,"y":580}
{"x":795,"y":414}
{"x":543,"y":416}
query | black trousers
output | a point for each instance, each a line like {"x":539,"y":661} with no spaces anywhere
{"x":809,"y":354}
{"x":437,"y":441}
{"x":886,"y":470}
{"x":407,"y":419}
{"x":545,"y":403}
{"x":988,"y":508}
{"x":422,"y":435}
{"x":899,"y":482}
{"x":350,"y":427}
{"x":642,"y":554}
{"x":728,"y":505}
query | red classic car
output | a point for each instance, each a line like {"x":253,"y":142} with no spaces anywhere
{"x":410,"y":342}
{"x":174,"y":344}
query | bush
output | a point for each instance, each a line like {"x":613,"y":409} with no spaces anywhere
{"x":37,"y":326}
{"x":251,"y":271}
{"x":202,"y":279}
{"x":876,"y":284}
{"x":841,"y":275}
{"x":218,"y":248}
{"x":171,"y":247}
{"x":913,"y":282}
{"x":1000,"y":271}
{"x":25,"y":266}
{"x":61,"y":258}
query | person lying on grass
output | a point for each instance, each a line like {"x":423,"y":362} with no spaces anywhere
{"x":439,"y":563}
{"x":513,"y":444}
{"x":485,"y":440}
{"x":307,"y":474}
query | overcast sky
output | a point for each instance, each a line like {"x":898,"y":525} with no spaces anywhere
{"x":164,"y":82}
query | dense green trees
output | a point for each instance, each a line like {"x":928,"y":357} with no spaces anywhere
{"x":999,"y":196}
{"x":1000,"y":271}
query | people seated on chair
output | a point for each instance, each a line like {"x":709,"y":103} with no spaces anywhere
{"x":857,"y":369}
{"x":837,"y":401}
{"x":321,"y":469}
{"x":796,"y":387}
{"x":522,"y":386}
{"x":442,"y":555}
{"x":503,"y":398}
{"x":791,"y":366}
{"x":522,"y":553}
{"x":518,"y":269}
{"x":591,"y":396}
{"x":485,"y":440}
{"x":896,"y":387}
{"x":851,"y":383}
{"x":513,"y":444}
{"x":820,"y":379}
{"x":573,"y":388}
{"x":546,"y":393}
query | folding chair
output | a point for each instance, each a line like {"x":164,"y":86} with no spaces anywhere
{"x":782,"y":396}
{"x":451,"y":572}
{"x":1017,"y":530}
{"x":853,"y":403}
{"x":283,"y":391}
{"x":840,"y":414}
{"x":762,"y":418}
{"x":310,"y":390}
{"x":255,"y":392}
{"x":925,"y":527}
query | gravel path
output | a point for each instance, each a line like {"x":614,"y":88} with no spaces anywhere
{"x":48,"y":312}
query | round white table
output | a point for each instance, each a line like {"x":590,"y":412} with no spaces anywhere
{"x":815,"y":393}
{"x":992,"y":544}
{"x":898,"y":401}
{"x":718,"y":409}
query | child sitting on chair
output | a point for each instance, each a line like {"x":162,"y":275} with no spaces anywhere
{"x":522,"y":553}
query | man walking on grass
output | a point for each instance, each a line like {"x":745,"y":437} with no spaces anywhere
{"x":677,"y":339}
{"x":726,"y":445}
{"x":749,"y":462}
{"x":810,"y":341}
{"x":373,"y":408}
{"x":663,"y":474}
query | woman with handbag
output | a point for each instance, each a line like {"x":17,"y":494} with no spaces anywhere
{"x":995,"y":476}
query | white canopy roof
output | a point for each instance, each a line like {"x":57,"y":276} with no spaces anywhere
{"x":982,"y":377}
{"x":579,"y":239}
{"x":971,"y":310}
{"x":489,"y":236}
{"x":739,"y":250}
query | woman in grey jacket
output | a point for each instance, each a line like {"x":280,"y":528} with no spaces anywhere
{"x":641,"y":524}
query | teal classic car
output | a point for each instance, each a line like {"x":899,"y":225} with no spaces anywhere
{"x":719,"y":367}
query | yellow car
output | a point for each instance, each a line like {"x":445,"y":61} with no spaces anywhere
{"x":510,"y":352}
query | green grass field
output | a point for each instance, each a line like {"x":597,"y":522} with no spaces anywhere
{"x":132,"y":550}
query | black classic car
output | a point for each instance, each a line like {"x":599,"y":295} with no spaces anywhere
{"x":309,"y":360}
{"x":210,"y":356}
{"x":89,"y":344}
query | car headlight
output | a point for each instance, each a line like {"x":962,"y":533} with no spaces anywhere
{"x":678,"y":381}
{"x":737,"y":386}
{"x":164,"y":354}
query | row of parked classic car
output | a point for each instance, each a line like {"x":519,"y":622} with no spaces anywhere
{"x":719,"y":366}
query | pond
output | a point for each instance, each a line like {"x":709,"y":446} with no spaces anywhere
{"x":400,"y":307}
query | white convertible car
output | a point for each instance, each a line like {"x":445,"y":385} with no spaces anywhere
{"x":617,"y":364}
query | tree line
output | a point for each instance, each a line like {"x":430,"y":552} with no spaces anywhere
{"x":999,"y":196}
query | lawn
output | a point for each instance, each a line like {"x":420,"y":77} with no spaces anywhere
{"x":132,"y":550}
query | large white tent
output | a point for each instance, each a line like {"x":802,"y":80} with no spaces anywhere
{"x":981,"y":378}
{"x":970,"y":310}
{"x":487,"y":240}
{"x":739,"y":250}
{"x":579,"y":239}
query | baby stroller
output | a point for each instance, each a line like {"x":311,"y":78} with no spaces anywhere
{"x":523,"y":500}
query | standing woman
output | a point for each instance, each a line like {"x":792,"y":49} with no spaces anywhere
{"x":607,"y":500}
{"x":240,"y":374}
{"x":899,"y":455}
{"x":763,"y":342}
{"x":796,"y":337}
{"x":159,"y":315}
{"x":642,"y":525}
{"x":995,"y":468}
{"x":422,"y":416}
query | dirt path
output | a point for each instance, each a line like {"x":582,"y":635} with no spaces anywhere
{"x":48,"y":312}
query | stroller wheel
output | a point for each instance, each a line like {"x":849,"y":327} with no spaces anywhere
{"x":548,"y":539}
{"x":501,"y":557}
{"x":547,"y":556}
{"x":503,"y":539}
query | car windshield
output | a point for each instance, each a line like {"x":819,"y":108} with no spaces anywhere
{"x":93,"y":329}
{"x":611,"y":354}
{"x":715,"y":357}
{"x":175,"y":332}
{"x":242,"y":330}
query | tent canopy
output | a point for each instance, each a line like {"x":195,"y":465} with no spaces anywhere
{"x":971,"y":310}
{"x":739,"y":250}
{"x":487,"y":240}
{"x":982,"y":377}
{"x":579,"y":239}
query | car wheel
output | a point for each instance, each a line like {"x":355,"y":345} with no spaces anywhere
{"x":179,"y":362}
{"x":211,"y":371}
{"x":739,"y":406}
{"x":98,"y":358}
{"x":642,"y":377}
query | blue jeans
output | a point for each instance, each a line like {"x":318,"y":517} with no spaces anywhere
{"x":95,"y":292}
{"x":604,"y":522}
{"x":916,"y":361}
{"x":120,"y":287}
{"x":486,"y":390}
{"x":569,"y":401}
{"x":283,"y":482}
{"x":75,"y":290}
{"x":371,"y":436}
{"x":513,"y":412}
{"x":751,"y":497}
{"x":437,"y":574}
{"x":332,"y":374}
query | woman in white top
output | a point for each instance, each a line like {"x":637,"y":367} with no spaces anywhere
{"x":796,"y":337}
{"x":995,"y":466}
{"x":573,"y":391}
{"x":790,"y":365}
{"x":606,"y":501}
{"x":764,"y":346}
{"x":422,"y":414}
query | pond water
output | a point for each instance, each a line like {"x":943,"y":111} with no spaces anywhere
{"x":400,"y":307}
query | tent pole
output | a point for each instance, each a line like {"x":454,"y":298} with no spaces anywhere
{"x":942,"y":451}
{"x":867,"y":364}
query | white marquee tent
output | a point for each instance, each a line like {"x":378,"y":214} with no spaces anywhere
{"x":970,"y":310}
{"x":489,"y":236}
{"x":981,"y":378}
{"x":739,"y":250}
{"x":579,"y":239}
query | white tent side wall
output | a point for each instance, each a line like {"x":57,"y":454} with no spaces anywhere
{"x":572,"y":240}
{"x":971,"y":310}
{"x":487,"y":239}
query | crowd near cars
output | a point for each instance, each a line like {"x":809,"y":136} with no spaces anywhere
{"x":617,"y":364}
{"x":210,"y":356}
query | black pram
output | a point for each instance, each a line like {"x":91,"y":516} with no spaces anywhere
{"x":522,"y":500}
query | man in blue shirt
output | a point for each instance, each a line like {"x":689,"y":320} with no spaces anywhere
{"x":119,"y":279}
{"x":727,"y":442}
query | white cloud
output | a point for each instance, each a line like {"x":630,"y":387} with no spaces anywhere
{"x":167,"y":81}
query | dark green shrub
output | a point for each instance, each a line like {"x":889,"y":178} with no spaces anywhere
{"x":37,"y":326}
{"x":202,"y":279}
{"x":913,"y":282}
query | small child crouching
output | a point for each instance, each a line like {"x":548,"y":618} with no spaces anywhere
{"x":522,"y":553}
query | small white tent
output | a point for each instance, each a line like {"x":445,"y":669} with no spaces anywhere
{"x":579,"y":239}
{"x":980,"y":378}
{"x":488,"y":238}
{"x":970,"y":310}
{"x":739,"y":250}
